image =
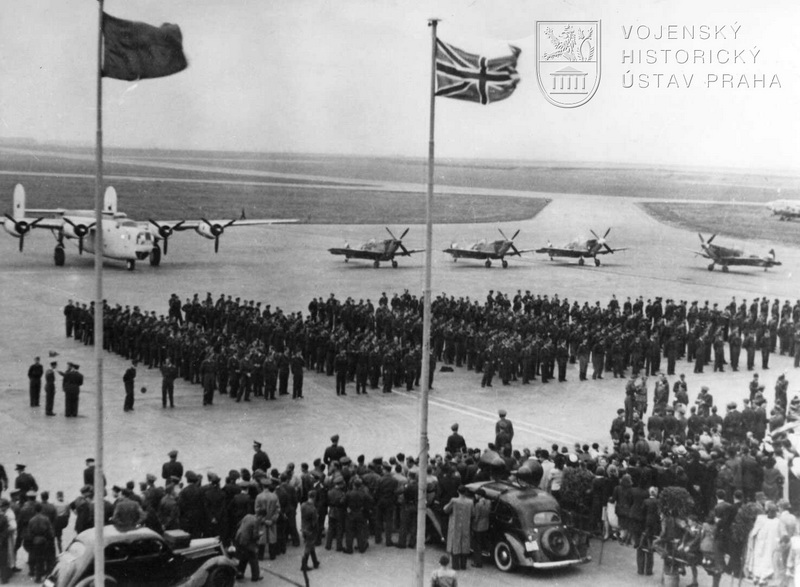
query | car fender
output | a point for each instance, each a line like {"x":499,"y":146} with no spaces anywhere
{"x":200,"y":576}
{"x":519,"y":550}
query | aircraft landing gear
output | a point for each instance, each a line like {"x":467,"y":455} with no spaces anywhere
{"x":155,"y":256}
{"x":131,"y":264}
{"x":581,"y":261}
{"x":58,"y":255}
{"x":505,"y":264}
{"x":394,"y":264}
{"x":597,"y":262}
{"x":724,"y":268}
{"x":711,"y":267}
{"x":488,"y":263}
{"x":376,"y":264}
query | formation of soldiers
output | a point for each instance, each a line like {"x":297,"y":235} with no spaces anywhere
{"x":241,"y":348}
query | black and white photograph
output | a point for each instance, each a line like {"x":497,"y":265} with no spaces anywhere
{"x":399,"y":293}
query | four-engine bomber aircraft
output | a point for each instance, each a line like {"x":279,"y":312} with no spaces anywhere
{"x":727,"y":256}
{"x":123,"y":239}
{"x":581,"y":248}
{"x":377,"y":251}
{"x":785,"y":209}
{"x":487,"y":251}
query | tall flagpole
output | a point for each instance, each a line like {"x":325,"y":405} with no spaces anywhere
{"x":99,"y":477}
{"x":422,"y":489}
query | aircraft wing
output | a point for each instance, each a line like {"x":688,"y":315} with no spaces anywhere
{"x":469,"y":254}
{"x":408,"y":252}
{"x":356,"y":253}
{"x":606,"y":252}
{"x":194,"y":224}
{"x":39,"y":222}
{"x":560,"y":252}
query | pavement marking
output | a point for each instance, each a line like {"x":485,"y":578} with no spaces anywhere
{"x":482,"y":415}
{"x":282,"y":577}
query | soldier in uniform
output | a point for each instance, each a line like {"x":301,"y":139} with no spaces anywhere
{"x":168,"y":375}
{"x":172,"y":468}
{"x":358,"y":503}
{"x":71,"y":385}
{"x":455,"y":442}
{"x":129,"y":379}
{"x":35,"y":373}
{"x":503,"y":430}
{"x":50,"y":389}
{"x":284,"y":368}
{"x":298,"y":366}
{"x":340,"y":368}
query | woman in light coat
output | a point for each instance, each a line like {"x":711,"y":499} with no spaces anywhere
{"x":459,"y":527}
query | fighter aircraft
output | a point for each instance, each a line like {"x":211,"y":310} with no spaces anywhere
{"x":581,"y":248}
{"x":786,"y":209}
{"x":124,"y":239}
{"x":726,"y":256}
{"x":377,"y":251}
{"x":487,"y":251}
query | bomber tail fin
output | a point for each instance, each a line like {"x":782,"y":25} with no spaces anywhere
{"x":110,"y":201}
{"x":19,"y":202}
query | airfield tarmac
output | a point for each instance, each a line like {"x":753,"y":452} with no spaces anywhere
{"x":285,"y":266}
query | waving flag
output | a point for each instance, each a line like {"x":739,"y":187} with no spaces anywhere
{"x":474,"y":78}
{"x":135,"y":50}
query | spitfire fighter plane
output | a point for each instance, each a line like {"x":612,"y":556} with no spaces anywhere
{"x":727,"y":256}
{"x":377,"y":251}
{"x":487,"y":251}
{"x":785,"y":209}
{"x":124,"y":239}
{"x":581,"y":248}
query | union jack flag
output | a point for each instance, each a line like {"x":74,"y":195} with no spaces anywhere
{"x":474,"y":78}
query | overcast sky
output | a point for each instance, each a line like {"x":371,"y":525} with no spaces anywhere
{"x":352,"y":77}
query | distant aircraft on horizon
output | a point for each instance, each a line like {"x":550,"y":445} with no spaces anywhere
{"x":487,"y":251}
{"x":581,"y":248}
{"x":377,"y":251}
{"x":733,"y":256}
{"x":785,"y":209}
{"x":124,"y":239}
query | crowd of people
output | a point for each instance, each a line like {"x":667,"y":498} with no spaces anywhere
{"x":741,"y":481}
{"x":238,"y":348}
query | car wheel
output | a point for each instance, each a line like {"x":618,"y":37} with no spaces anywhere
{"x":504,"y":557}
{"x":221,"y":577}
{"x":555,"y":543}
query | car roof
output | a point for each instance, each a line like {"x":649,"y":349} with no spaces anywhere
{"x":112,"y":535}
{"x":517,"y":495}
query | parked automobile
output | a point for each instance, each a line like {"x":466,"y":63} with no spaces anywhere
{"x":141,"y":557}
{"x":526,"y":528}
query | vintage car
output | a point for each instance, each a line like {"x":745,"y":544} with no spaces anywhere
{"x":142,"y":557}
{"x":526,"y":528}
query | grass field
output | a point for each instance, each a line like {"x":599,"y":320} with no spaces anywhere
{"x":741,"y":222}
{"x":142,"y":199}
{"x":638,"y":182}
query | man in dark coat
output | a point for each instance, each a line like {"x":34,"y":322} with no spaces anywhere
{"x":455,"y":442}
{"x":191,"y":505}
{"x":169,"y":373}
{"x":35,"y":373}
{"x":50,"y":389}
{"x":71,"y":385}
{"x":39,"y":538}
{"x":310,"y":527}
{"x":172,"y":468}
{"x":260,"y":459}
{"x":129,"y":379}
{"x":334,"y":452}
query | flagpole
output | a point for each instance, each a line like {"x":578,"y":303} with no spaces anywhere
{"x":422,"y":489}
{"x":99,"y":477}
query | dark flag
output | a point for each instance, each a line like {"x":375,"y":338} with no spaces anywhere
{"x":135,"y":50}
{"x":474,"y":78}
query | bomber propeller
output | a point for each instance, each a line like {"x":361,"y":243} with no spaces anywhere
{"x":217,"y":230}
{"x":22,"y":228}
{"x":166,"y":231}
{"x":81,"y":230}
